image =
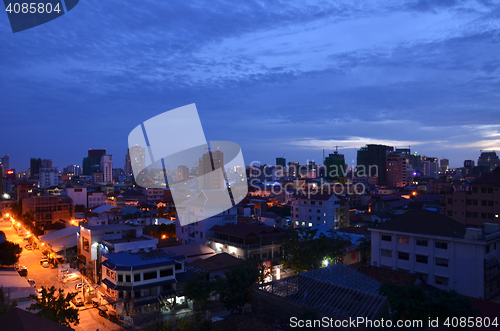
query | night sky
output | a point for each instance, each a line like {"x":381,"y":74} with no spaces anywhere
{"x":277,"y":77}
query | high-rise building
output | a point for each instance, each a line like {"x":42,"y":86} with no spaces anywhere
{"x":431,"y":167}
{"x":281,"y":161}
{"x":46,"y":163}
{"x":396,"y":170}
{"x":135,"y":158}
{"x":106,"y":167}
{"x":210,"y":171}
{"x":417,"y":162}
{"x":488,"y":160}
{"x":371,"y":161}
{"x":93,"y":161}
{"x":182,"y":173}
{"x":35,"y":165}
{"x":48,"y":177}
{"x":4,"y":162}
{"x":335,"y":165}
{"x":444,"y":165}
{"x":73,"y":169}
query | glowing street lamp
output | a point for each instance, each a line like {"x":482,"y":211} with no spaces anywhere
{"x":163,"y":237}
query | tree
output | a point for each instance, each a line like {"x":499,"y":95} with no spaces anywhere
{"x":235,"y":289}
{"x":199,"y":289}
{"x":306,"y":251}
{"x":16,"y":210}
{"x":196,"y":322}
{"x":444,"y":304}
{"x":56,"y":307}
{"x":366,"y":248}
{"x":411,"y":302}
{"x":9,"y":253}
{"x":5,"y":306}
{"x":406,"y":302}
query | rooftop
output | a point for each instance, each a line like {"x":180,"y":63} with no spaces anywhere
{"x":217,"y":262}
{"x":337,"y":290}
{"x":424,"y":222}
{"x":190,"y":250}
{"x":129,"y":261}
{"x":241,"y":230}
{"x":389,"y":276}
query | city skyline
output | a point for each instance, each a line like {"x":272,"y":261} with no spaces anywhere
{"x":279,"y":80}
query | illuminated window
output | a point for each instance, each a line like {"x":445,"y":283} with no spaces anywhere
{"x":403,"y":240}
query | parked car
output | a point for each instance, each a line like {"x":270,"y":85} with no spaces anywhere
{"x":25,"y":238}
{"x":28,"y":247}
{"x":78,"y":286}
{"x":23,"y":271}
{"x":45,"y":264}
{"x":77,"y":301}
{"x":31,"y":282}
{"x":44,"y":259}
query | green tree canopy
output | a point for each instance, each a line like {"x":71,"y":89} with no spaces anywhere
{"x":9,"y":253}
{"x":305,"y":250}
{"x":235,"y":289}
{"x":55,"y":305}
{"x":199,"y":288}
{"x":411,"y":302}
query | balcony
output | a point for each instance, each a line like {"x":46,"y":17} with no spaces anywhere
{"x":264,"y":243}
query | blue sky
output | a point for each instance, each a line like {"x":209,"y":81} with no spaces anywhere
{"x":277,"y":77}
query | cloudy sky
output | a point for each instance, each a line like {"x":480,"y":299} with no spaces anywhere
{"x":277,"y":77}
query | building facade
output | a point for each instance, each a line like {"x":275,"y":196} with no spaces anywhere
{"x":142,"y":282}
{"x":316,"y":209}
{"x":444,"y":253}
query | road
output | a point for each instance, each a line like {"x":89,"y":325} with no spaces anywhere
{"x":47,"y":277}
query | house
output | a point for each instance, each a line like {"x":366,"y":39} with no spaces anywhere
{"x":191,"y":251}
{"x":316,"y":209}
{"x":95,"y":241}
{"x":142,"y":281}
{"x":217,"y":264}
{"x":443,"y":252}
{"x":248,"y":241}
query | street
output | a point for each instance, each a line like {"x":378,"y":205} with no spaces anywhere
{"x":47,"y":277}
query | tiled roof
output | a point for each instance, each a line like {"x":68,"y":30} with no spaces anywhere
{"x":217,"y":262}
{"x":424,"y":222}
{"x":190,"y":250}
{"x":389,"y":276}
{"x":241,"y":230}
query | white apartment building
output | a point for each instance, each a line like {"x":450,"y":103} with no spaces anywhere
{"x":77,"y":194}
{"x":48,"y":177}
{"x":107,"y":168}
{"x":443,"y":252}
{"x":316,"y":209}
{"x":196,"y":216}
{"x":96,"y":199}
